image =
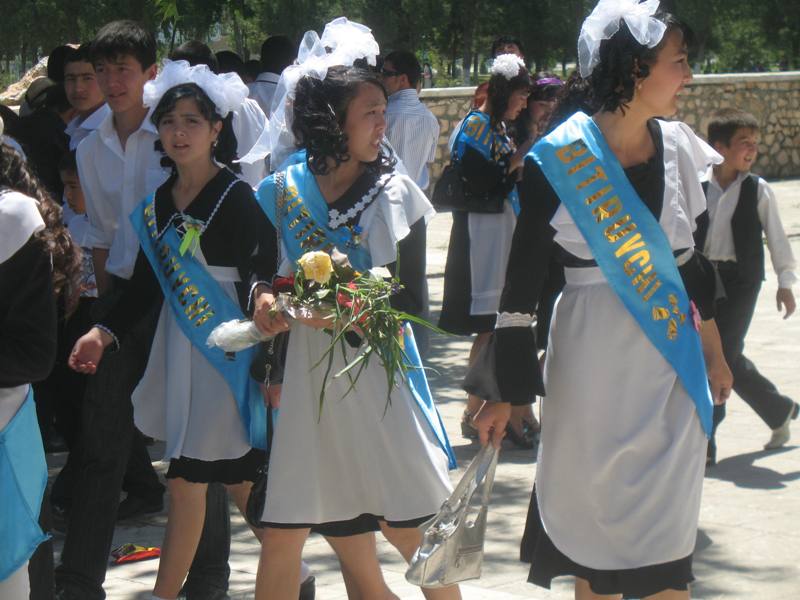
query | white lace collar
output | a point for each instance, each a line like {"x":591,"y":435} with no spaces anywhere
{"x":336,"y":218}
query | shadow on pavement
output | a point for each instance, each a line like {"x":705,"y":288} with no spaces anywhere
{"x":742,"y":472}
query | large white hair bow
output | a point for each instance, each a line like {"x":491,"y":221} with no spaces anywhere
{"x":227,"y":91}
{"x":342,"y":43}
{"x":604,"y":22}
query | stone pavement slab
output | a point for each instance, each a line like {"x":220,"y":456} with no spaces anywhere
{"x":748,"y":545}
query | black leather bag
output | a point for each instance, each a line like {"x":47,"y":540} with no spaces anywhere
{"x":452,"y":194}
{"x":258,"y":493}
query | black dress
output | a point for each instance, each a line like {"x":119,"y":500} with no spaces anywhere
{"x":238,"y":236}
{"x":533,"y":255}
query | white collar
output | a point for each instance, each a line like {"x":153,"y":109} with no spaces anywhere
{"x":108,"y":133}
{"x":712,"y":178}
{"x":268,"y":77}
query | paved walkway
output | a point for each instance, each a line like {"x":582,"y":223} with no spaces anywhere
{"x":748,"y":545}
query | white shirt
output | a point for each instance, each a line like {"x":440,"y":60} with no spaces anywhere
{"x":413,"y":132}
{"x":248,"y":123}
{"x":114,"y":182}
{"x":78,"y":130}
{"x":719,"y":241}
{"x":263,"y":89}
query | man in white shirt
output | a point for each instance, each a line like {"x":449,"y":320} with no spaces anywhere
{"x":412,"y":132}
{"x":277,"y":53}
{"x":741,"y":209}
{"x":411,"y":128}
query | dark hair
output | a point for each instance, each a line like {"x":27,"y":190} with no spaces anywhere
{"x":120,"y":38}
{"x":15,"y":175}
{"x":320,"y":111}
{"x":253,"y":68}
{"x":225,"y":150}
{"x":196,"y":53}
{"x":277,"y":53}
{"x":406,"y":63}
{"x":726,"y":122}
{"x":80,"y":54}
{"x":622,"y":60}
{"x":68,"y":162}
{"x":502,"y":40}
{"x":500,"y":90}
{"x":230,"y":62}
{"x":545,"y":86}
{"x":55,"y":62}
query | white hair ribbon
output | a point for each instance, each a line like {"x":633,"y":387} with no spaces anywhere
{"x":227,"y":91}
{"x":604,"y":22}
{"x":342,"y":43}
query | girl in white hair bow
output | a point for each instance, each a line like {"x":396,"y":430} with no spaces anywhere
{"x":613,"y":193}
{"x":202,"y":237}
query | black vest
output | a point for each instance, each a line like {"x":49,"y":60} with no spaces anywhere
{"x":747,"y":231}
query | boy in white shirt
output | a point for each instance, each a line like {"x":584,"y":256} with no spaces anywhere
{"x":741,"y":209}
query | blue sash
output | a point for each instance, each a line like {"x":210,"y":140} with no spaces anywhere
{"x":199,"y":305}
{"x":23,"y":478}
{"x":303,"y":222}
{"x":629,"y":246}
{"x":478,"y":133}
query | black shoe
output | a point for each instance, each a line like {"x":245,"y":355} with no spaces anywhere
{"x":134,"y":506}
{"x":60,"y":514}
{"x":308,"y":589}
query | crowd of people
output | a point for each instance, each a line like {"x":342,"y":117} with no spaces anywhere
{"x":144,"y":204}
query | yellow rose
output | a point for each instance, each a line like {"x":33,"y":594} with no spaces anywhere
{"x":317,"y":266}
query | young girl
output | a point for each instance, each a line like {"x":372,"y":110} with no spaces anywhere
{"x":37,"y":261}
{"x":356,"y":465}
{"x":614,"y":197}
{"x":202,"y":239}
{"x":480,"y":242}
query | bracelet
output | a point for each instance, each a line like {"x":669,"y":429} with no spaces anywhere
{"x":109,"y":332}
{"x":250,"y":298}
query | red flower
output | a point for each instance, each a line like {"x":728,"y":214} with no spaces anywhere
{"x":283,"y":284}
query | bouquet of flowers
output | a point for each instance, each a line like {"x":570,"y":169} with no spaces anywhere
{"x":356,"y":305}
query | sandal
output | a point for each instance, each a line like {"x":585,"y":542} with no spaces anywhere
{"x":468,"y":429}
{"x":527,"y":440}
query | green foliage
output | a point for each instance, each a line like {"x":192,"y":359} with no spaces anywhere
{"x":730,"y":34}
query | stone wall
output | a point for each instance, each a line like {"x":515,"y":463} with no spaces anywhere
{"x":774,"y":98}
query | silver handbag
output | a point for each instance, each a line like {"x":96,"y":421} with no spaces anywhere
{"x":452,"y":542}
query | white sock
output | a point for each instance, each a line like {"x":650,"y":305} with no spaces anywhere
{"x":305,"y":571}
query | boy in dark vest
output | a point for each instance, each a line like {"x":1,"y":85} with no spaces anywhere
{"x":741,"y":210}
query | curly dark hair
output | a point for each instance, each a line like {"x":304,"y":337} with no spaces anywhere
{"x":612,"y":82}
{"x":15,"y":175}
{"x":320,"y":111}
{"x":226,"y":147}
{"x":500,"y":90}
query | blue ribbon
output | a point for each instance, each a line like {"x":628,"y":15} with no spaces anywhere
{"x":303,"y":192}
{"x":629,"y":246}
{"x":199,"y":305}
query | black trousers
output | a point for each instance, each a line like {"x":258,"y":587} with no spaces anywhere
{"x":733,"y":320}
{"x":109,"y":447}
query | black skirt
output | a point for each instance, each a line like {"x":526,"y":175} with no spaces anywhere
{"x":548,"y":562}
{"x":227,"y":471}
{"x":363,"y":523}
{"x":455,"y":317}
